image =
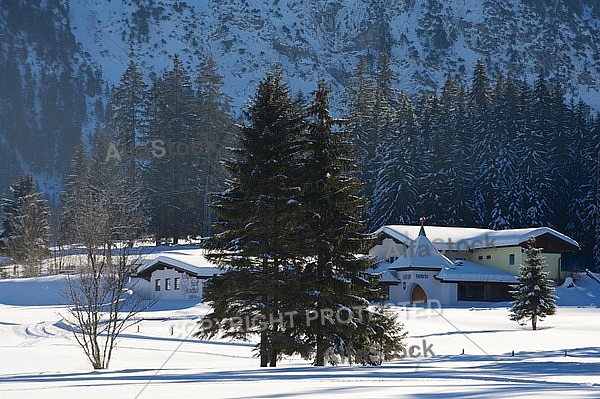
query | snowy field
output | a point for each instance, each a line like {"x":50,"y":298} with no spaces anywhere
{"x":41,"y":359}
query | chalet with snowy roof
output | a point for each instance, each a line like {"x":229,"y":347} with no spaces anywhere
{"x":455,"y":265}
{"x":174,"y":277}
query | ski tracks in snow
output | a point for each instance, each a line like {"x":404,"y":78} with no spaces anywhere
{"x":33,"y":333}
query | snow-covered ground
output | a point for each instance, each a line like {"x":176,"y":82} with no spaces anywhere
{"x":41,"y":359}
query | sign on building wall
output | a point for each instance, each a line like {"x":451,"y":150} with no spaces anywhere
{"x":191,"y":287}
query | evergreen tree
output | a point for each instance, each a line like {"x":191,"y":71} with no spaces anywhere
{"x":334,"y":279}
{"x":398,"y":154}
{"x":564,"y":157}
{"x":484,"y":143}
{"x":396,"y":191}
{"x":500,"y":161}
{"x":128,"y":118}
{"x":480,"y":96}
{"x":257,"y":238}
{"x":100,"y":207}
{"x":216,"y":129}
{"x":360,"y":98}
{"x":531,"y":147}
{"x":173,"y":176}
{"x":578,"y":173}
{"x":74,"y":191}
{"x":533,"y":298}
{"x":450,"y":185}
{"x":25,"y":233}
{"x":591,"y":214}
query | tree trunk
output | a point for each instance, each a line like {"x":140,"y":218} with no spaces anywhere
{"x":534,"y":322}
{"x":320,"y":357}
{"x":273,"y":359}
{"x":264,"y":350}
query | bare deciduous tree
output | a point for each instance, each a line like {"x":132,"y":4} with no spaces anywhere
{"x":102,"y":302}
{"x":103,"y":215}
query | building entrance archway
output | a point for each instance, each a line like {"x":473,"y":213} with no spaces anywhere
{"x":418,"y":294}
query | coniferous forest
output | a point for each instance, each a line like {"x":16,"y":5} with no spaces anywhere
{"x":496,"y":152}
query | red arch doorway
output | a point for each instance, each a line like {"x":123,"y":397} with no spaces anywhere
{"x":418,"y":294}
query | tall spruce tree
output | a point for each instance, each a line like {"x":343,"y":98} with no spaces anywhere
{"x":577,"y":173}
{"x":360,"y":101}
{"x":216,"y":129}
{"x":591,"y":187}
{"x":128,"y":118}
{"x":530,"y":145}
{"x":396,"y":192}
{"x":450,"y":186}
{"x":335,"y":280}
{"x":25,"y":234}
{"x":398,"y":159}
{"x":173,"y":176}
{"x":257,"y":236}
{"x":533,"y":298}
{"x":595,"y":216}
{"x":76,"y":186}
{"x":499,"y":160}
{"x":480,"y":102}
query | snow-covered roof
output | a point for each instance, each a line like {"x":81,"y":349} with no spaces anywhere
{"x":194,"y":264}
{"x":421,"y":254}
{"x":389,"y":277}
{"x":462,"y":270}
{"x":465,"y":238}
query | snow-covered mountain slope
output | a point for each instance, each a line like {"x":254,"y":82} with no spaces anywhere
{"x":58,"y":57}
{"x":427,"y":39}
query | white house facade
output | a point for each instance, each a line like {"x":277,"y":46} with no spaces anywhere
{"x":169,"y":278}
{"x":457,"y":266}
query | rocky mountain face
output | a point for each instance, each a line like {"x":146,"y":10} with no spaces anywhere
{"x":59,"y":58}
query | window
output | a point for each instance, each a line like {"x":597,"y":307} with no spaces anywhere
{"x":480,"y":257}
{"x":167,"y":284}
{"x":483,"y":292}
{"x":511,"y":259}
{"x":471,"y":292}
{"x":488,"y":256}
{"x":176,"y":283}
{"x":157,"y":284}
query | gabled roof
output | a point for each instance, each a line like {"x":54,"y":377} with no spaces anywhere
{"x":465,"y":238}
{"x":422,"y":254}
{"x":201,"y":267}
{"x":465,"y":271}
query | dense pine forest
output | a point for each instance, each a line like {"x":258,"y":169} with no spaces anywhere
{"x":500,"y":152}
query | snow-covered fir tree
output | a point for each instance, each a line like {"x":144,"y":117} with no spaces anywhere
{"x":128,"y":119}
{"x":172,"y":174}
{"x":333,"y":277}
{"x":75,"y":190}
{"x":450,"y":185}
{"x":533,"y":297}
{"x":592,"y":203}
{"x":216,"y":131}
{"x":359,"y":102}
{"x":25,"y":229}
{"x":399,"y":158}
{"x":257,"y":235}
